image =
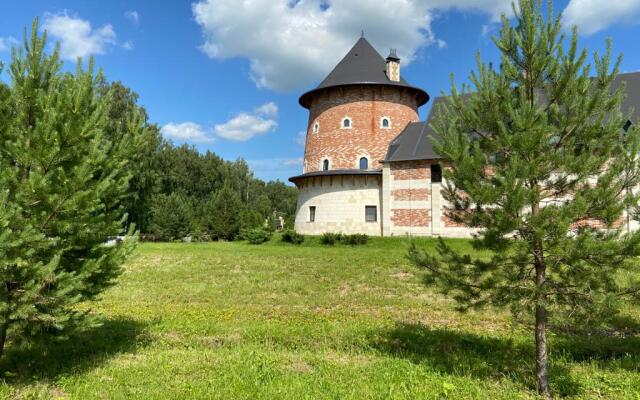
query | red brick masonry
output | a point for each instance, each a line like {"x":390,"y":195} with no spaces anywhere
{"x":365,"y":106}
{"x":410,"y":194}
{"x":405,"y":170}
{"x":406,"y":217}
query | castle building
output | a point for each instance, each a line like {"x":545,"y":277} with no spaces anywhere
{"x":369,"y":163}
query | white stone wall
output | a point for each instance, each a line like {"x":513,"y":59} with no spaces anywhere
{"x":340,"y":204}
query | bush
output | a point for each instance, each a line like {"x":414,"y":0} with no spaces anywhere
{"x":356,"y":239}
{"x":330,"y":238}
{"x":291,"y":236}
{"x":250,"y":219}
{"x":255,"y":235}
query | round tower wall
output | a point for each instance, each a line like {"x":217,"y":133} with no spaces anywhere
{"x":365,"y":106}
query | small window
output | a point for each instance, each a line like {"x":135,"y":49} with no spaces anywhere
{"x":436,"y":173}
{"x":385,"y":123}
{"x":364,"y":163}
{"x":312,"y":214}
{"x":346,"y":123}
{"x":325,"y":165}
{"x":316,"y":127}
{"x":371,"y":213}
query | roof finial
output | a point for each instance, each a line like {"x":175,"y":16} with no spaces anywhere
{"x":362,"y":35}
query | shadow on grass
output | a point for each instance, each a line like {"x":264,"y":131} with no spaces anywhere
{"x":80,"y":352}
{"x":482,"y":357}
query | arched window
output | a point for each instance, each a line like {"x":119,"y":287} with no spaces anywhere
{"x":385,"y":122}
{"x":364,"y":163}
{"x":316,"y":127}
{"x":325,"y":165}
{"x":346,"y":123}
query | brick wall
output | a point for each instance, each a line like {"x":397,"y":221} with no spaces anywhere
{"x":597,"y":224}
{"x":448,"y":222}
{"x":410,"y":217}
{"x":365,"y":106}
{"x":410,"y":194}
{"x":405,"y":170}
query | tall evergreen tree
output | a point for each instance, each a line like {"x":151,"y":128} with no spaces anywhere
{"x":223,"y":213}
{"x":61,"y":188}
{"x":536,"y":154}
{"x":171,"y":216}
{"x":140,"y":143}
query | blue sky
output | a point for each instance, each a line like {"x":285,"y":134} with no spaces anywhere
{"x":225,"y":75}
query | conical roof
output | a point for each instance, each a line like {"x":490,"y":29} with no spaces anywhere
{"x":362,"y":65}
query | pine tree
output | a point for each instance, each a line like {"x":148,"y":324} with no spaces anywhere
{"x":171,"y":216}
{"x":223,"y":213}
{"x":536,"y":154}
{"x":61,"y":187}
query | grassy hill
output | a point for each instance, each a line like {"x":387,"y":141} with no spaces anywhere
{"x":277,"y":321}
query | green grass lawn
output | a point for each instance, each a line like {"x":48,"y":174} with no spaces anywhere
{"x":277,"y":321}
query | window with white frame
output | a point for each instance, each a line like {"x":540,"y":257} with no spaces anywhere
{"x":346,"y":123}
{"x":385,"y":123}
{"x":316,"y":127}
{"x":325,"y":165}
{"x":364,"y":163}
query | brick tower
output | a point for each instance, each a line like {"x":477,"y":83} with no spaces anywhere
{"x":357,"y":110}
{"x":354,"y":114}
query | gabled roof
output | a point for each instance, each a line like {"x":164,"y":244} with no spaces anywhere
{"x":415,"y":142}
{"x":362,"y":65}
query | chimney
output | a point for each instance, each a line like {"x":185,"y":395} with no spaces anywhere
{"x":393,"y":66}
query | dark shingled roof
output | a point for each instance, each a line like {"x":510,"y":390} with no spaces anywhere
{"x":415,"y":141}
{"x":633,"y":94}
{"x":362,"y":65}
{"x":337,"y":172}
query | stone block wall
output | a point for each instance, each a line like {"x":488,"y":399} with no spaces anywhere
{"x":340,"y":203}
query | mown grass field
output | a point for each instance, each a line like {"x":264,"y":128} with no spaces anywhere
{"x":277,"y":321}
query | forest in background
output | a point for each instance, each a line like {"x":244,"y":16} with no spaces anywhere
{"x":177,"y":191}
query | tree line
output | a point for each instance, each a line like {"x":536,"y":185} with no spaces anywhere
{"x":82,"y":169}
{"x":178,"y":192}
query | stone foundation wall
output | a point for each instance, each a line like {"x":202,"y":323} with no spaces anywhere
{"x":340,"y":203}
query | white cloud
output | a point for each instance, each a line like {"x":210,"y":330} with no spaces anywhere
{"x":595,"y":15}
{"x":269,"y":109}
{"x":76,"y":36}
{"x":186,"y":132}
{"x":6,"y":43}
{"x":128,"y":45}
{"x":132,"y":16}
{"x":291,"y":44}
{"x":245,"y":126}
